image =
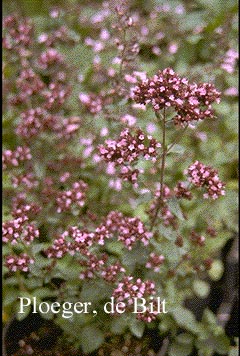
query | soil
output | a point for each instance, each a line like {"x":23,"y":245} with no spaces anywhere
{"x":47,"y":340}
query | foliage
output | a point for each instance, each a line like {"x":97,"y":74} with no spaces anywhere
{"x":63,"y":105}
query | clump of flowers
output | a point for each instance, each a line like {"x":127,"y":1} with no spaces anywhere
{"x":111,"y":273}
{"x":14,"y":158}
{"x":18,"y":263}
{"x":50,"y":57}
{"x":18,"y":34}
{"x":73,"y":197}
{"x":205,"y":176}
{"x":128,"y":289}
{"x":181,"y":191}
{"x":92,"y":102}
{"x":166,"y":89}
{"x":155,"y":261}
{"x":229,"y":60}
{"x":31,"y":123}
{"x":127,"y":149}
{"x":129,"y":230}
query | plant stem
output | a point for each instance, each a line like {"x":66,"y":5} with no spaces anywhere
{"x":164,"y":147}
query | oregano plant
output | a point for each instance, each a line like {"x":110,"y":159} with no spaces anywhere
{"x":106,"y":201}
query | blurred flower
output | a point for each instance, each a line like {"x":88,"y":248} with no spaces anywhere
{"x":155,"y":261}
{"x":74,"y":196}
{"x":18,"y":263}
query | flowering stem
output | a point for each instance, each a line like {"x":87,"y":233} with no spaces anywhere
{"x":164,"y":147}
{"x":163,"y":156}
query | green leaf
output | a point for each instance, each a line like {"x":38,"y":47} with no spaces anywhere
{"x":137,"y":327}
{"x":216,"y":270}
{"x":33,"y":282}
{"x":177,"y":149}
{"x":45,"y":292}
{"x":138,"y":254}
{"x":185,"y":338}
{"x":177,"y":349}
{"x":185,"y":319}
{"x":91,"y":338}
{"x":175,"y":208}
{"x":119,"y":324}
{"x":10,"y":295}
{"x":167,"y":324}
{"x":169,"y":250}
{"x":201,"y":288}
{"x":36,"y":248}
{"x":93,"y":291}
{"x":221,"y":344}
{"x":114,"y":247}
{"x":168,"y":233}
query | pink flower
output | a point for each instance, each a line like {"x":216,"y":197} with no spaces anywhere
{"x":205,"y":176}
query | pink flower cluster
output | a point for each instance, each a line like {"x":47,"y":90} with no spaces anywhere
{"x":13,"y":158}
{"x":148,"y":316}
{"x":49,"y":57}
{"x":25,"y":209}
{"x":93,"y":103}
{"x":92,"y":265}
{"x":127,"y":289}
{"x":155,"y":261}
{"x":168,"y":218}
{"x":18,"y":262}
{"x":167,"y":89}
{"x":71,"y":241}
{"x":76,"y":241}
{"x":73,"y":197}
{"x":111,"y":272}
{"x":19,"y":231}
{"x":181,"y":191}
{"x":127,"y":149}
{"x":129,"y":174}
{"x":205,"y":176}
{"x":95,"y":266}
{"x":230,"y":60}
{"x":28,"y":83}
{"x":61,"y":35}
{"x":28,"y":180}
{"x":14,"y":231}
{"x":20,"y":206}
{"x":166,"y":192}
{"x":35,"y":121}
{"x":18,"y":34}
{"x":129,"y":230}
{"x":55,"y":95}
{"x":31,"y":122}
